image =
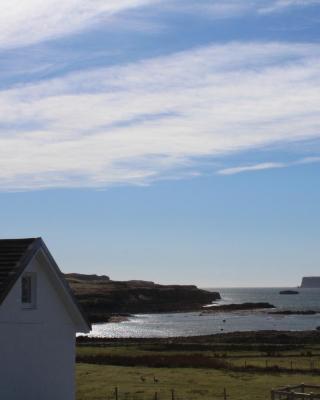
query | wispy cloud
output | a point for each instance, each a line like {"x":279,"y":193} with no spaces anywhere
{"x":250,"y":168}
{"x":281,"y":5}
{"x":25,"y":22}
{"x":143,"y":121}
{"x":267,"y":165}
{"x":28,"y":22}
{"x":213,"y":8}
{"x":236,"y":8}
{"x":308,"y":160}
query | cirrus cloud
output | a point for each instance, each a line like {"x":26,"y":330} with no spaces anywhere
{"x":29,"y":22}
{"x":25,"y":22}
{"x":142,"y":121}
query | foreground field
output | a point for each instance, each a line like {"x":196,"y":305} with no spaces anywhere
{"x":244,"y":367}
{"x":98,"y":382}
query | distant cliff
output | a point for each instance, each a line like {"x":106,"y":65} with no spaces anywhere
{"x":310,"y":282}
{"x":101,"y":297}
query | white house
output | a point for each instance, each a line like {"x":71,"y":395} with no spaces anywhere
{"x":39,"y":318}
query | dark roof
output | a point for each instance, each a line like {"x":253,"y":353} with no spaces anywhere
{"x":14,"y":257}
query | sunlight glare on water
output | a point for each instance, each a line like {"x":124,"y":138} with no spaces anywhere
{"x":192,"y":324}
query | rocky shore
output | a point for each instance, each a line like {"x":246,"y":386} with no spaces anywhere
{"x":238,"y":307}
{"x":294,"y":312}
{"x":235,"y":338}
{"x":106,"y":300}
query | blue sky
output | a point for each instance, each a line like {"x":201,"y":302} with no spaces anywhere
{"x":174,"y":141}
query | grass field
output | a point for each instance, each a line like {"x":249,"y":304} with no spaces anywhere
{"x":298,"y":359}
{"x":97,"y":382}
{"x":207,"y":370}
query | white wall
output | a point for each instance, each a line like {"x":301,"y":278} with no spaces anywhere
{"x":37,"y":346}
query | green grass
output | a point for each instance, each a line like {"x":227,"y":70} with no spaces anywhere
{"x":305,"y":363}
{"x":305,"y":358}
{"x":97,"y":382}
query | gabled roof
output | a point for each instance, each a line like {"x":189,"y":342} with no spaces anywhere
{"x":16,"y":254}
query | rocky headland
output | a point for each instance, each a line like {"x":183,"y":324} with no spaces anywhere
{"x":310,"y":282}
{"x":104,"y":299}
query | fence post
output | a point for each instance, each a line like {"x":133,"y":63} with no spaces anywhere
{"x":155,"y":395}
{"x":225,"y":397}
{"x":272,"y":395}
{"x":172,"y":394}
{"x":116,"y":393}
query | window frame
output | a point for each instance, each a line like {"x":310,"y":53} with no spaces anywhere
{"x":32,"y":287}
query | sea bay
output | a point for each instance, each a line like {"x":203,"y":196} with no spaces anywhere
{"x":197,"y":323}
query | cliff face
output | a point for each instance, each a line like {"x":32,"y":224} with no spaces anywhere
{"x":100,"y":297}
{"x":311,"y":282}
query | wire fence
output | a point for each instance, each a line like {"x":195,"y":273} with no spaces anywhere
{"x":296,"y":392}
{"x":172,"y":394}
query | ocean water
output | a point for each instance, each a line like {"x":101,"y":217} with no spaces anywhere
{"x":192,"y":324}
{"x":307,"y":299}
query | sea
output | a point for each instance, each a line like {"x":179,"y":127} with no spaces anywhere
{"x":197,"y":323}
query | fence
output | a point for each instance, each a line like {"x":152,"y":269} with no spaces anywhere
{"x":172,"y":395}
{"x":297,"y":392}
{"x":285,"y":365}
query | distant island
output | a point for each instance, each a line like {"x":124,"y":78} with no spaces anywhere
{"x":102,"y":298}
{"x":288,"y":292}
{"x":310,"y":282}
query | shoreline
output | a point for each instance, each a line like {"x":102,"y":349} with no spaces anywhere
{"x":265,"y":336}
{"x":203,"y":310}
{"x":230,"y":309}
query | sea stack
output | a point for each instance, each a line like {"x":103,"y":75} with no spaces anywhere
{"x":310,"y":282}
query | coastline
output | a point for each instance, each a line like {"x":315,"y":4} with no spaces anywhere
{"x":202,"y":310}
{"x":230,"y":309}
{"x":238,"y":310}
{"x":246,"y":337}
{"x":104,"y":299}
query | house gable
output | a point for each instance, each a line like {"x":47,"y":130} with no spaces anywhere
{"x":15,"y":254}
{"x":30,"y":257}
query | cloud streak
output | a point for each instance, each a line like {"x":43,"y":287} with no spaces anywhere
{"x":236,"y":8}
{"x":29,"y":22}
{"x":267,"y":165}
{"x":250,"y":168}
{"x":25,"y":22}
{"x":143,"y":121}
{"x":281,"y":5}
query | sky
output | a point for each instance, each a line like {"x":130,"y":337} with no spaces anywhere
{"x":175,"y":141}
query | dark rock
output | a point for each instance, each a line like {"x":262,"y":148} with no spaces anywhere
{"x":310,"y":282}
{"x":293,"y":312}
{"x":289,"y":292}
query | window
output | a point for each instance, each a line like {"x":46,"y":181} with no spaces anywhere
{"x":28,"y":290}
